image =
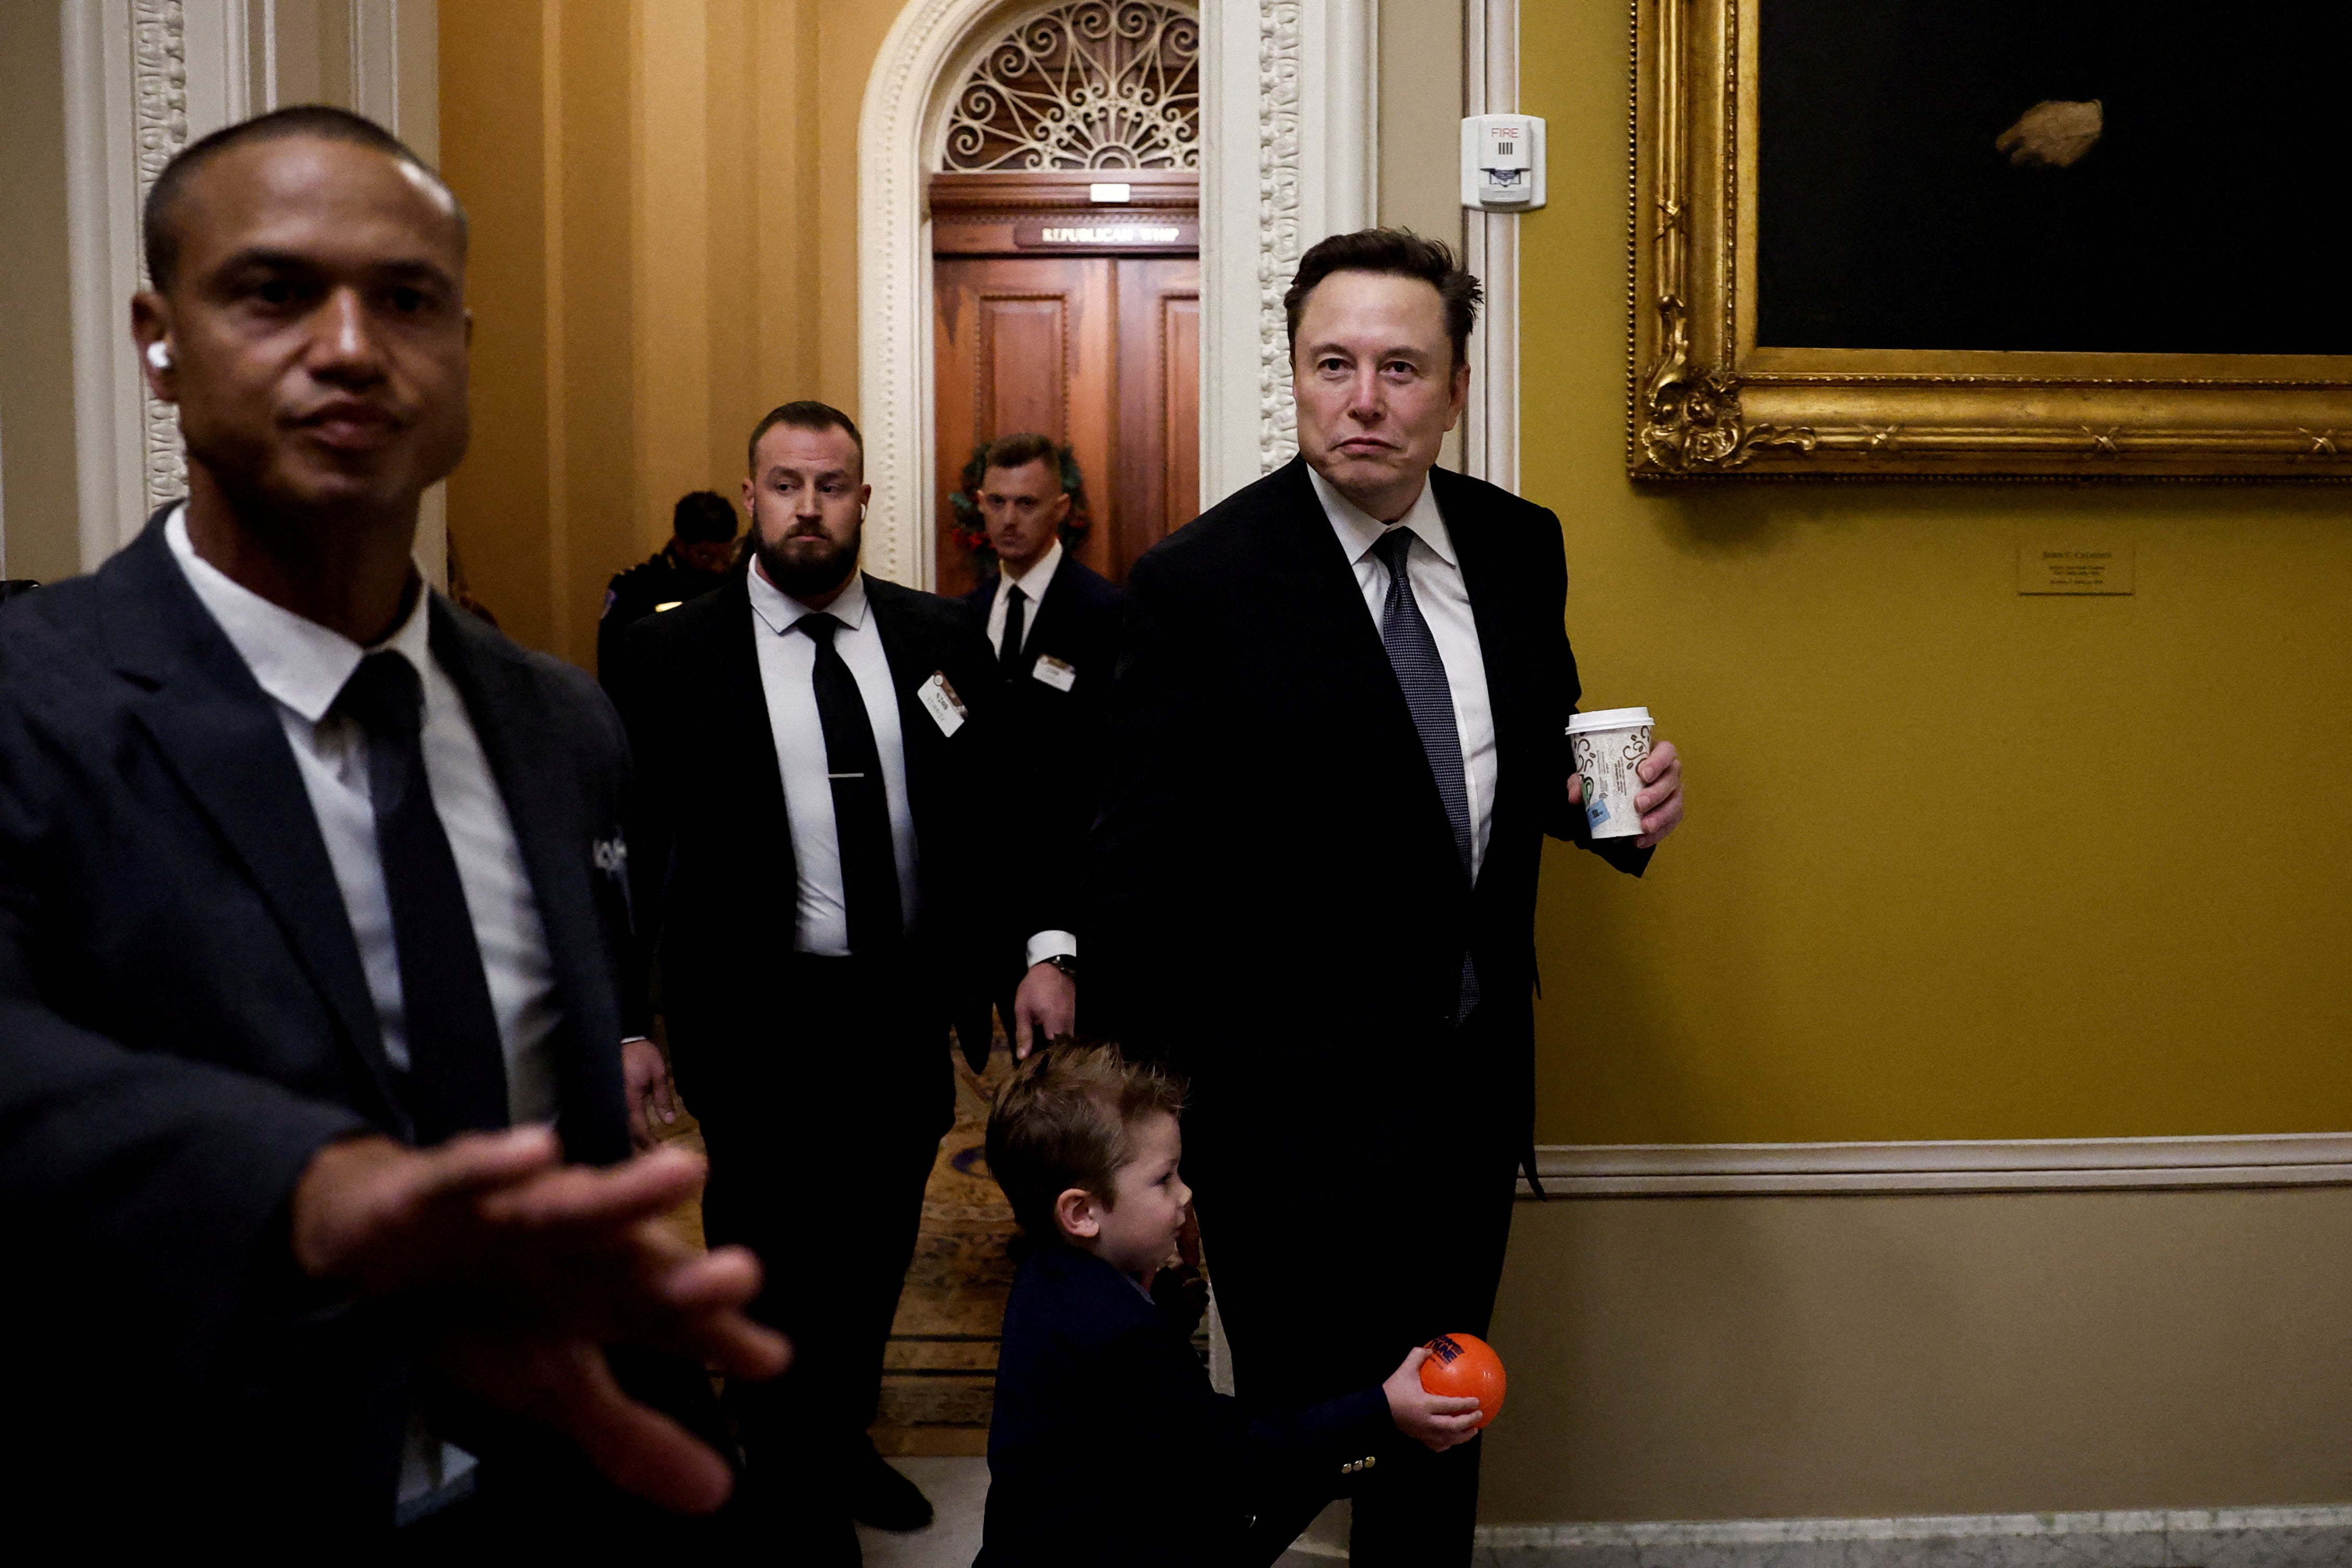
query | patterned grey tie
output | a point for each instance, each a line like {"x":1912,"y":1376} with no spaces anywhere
{"x":1413,"y":654}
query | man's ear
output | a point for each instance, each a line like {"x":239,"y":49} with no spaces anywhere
{"x":751,"y":491}
{"x":151,"y":324}
{"x":1460,"y":394}
{"x":1079,"y":1214}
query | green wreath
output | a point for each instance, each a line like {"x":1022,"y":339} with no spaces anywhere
{"x":971,"y":531}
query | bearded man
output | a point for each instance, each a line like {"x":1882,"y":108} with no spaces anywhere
{"x":817,"y":937}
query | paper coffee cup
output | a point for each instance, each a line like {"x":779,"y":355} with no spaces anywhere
{"x":1606,"y":747}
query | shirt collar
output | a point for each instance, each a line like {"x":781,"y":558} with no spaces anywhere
{"x":779,"y":612}
{"x":1359,"y":529}
{"x":297,"y":661}
{"x":1037,"y":579}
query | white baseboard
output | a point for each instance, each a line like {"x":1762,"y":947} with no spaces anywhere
{"x":2184,"y":1538}
{"x":2024,"y":1164}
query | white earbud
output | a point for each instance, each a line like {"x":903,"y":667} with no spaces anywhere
{"x":158,"y":354}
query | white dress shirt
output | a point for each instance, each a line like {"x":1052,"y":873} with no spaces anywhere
{"x":1434,"y":572}
{"x":1032,"y":584}
{"x":787,"y":662}
{"x":302,"y":666}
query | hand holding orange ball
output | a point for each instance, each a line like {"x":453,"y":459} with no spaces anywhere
{"x":1465,"y":1367}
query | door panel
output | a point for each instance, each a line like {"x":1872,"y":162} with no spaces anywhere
{"x":1159,"y":479}
{"x":1021,"y":344}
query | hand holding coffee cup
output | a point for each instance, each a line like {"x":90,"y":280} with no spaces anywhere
{"x":1615,"y":763}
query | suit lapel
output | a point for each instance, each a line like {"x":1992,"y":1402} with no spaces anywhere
{"x":221,"y":735}
{"x":913,"y":660}
{"x":555,"y":824}
{"x":1486,"y":579}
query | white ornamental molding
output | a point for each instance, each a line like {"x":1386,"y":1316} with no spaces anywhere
{"x":1290,"y":126}
{"x":1279,"y":246}
{"x":160,"y":107}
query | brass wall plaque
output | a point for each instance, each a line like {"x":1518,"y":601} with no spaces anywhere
{"x":2073,"y":567}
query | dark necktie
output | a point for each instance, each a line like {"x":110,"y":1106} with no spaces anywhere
{"x":1008,"y":650}
{"x":861,"y":810}
{"x":456,"y":1067}
{"x":1413,"y":654}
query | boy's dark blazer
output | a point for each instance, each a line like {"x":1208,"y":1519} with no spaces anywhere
{"x":1107,"y":1448}
{"x":1273,"y":882}
{"x":712,"y":850}
{"x":183,"y":1023}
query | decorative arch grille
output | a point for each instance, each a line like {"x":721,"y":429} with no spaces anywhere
{"x":1099,"y":84}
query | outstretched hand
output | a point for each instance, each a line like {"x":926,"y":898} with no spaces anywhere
{"x":1437,"y":1421}
{"x":529,"y":1268}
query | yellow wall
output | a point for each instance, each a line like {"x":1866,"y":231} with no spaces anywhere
{"x":663,"y":196}
{"x":40,"y":505}
{"x":1960,"y":864}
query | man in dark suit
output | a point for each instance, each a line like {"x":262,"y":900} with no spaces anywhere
{"x":309,"y":891}
{"x":695,"y":561}
{"x":1054,"y":622}
{"x":816,"y":940}
{"x":1338,"y":745}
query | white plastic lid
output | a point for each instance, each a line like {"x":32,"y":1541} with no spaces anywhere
{"x":1609,"y":718}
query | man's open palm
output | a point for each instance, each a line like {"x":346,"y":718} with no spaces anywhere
{"x":531,"y":1268}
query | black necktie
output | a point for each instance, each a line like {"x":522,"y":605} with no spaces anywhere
{"x":1008,"y":650}
{"x":861,"y":810}
{"x":456,"y":1067}
{"x":1413,"y":654}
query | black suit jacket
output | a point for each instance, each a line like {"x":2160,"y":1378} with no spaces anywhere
{"x":713,"y":851}
{"x":1055,"y":741}
{"x":185,"y":1022}
{"x":1107,"y":1448}
{"x":1078,"y":621}
{"x":1275,"y":901}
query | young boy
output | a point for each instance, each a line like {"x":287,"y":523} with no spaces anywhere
{"x":1109,"y":1449}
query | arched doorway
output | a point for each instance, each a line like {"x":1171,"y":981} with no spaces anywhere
{"x":1066,"y":268}
{"x":1058,"y":161}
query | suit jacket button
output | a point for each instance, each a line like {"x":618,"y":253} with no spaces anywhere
{"x":1370,"y":1461}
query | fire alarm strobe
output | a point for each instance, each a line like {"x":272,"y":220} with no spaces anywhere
{"x":1503,"y":162}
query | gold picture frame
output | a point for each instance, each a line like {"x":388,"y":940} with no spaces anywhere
{"x":1708,"y":401}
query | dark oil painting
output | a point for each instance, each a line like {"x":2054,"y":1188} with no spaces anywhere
{"x":2121,"y":176}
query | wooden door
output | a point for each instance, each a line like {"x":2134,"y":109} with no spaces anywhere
{"x":1023,"y":343}
{"x":1078,"y":318}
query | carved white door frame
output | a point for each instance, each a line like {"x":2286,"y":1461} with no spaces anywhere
{"x":1490,"y":446}
{"x":1289,"y":153}
{"x":143,"y":80}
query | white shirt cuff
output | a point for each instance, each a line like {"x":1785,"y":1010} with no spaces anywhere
{"x":1049,"y":944}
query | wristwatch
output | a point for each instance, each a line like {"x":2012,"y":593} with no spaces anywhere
{"x":1067,"y":963}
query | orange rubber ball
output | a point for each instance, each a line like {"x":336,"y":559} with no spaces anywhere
{"x":1464,"y":1366}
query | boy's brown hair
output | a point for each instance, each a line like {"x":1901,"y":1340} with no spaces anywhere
{"x":1062,"y":1121}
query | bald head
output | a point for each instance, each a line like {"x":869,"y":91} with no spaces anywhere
{"x":168,"y":200}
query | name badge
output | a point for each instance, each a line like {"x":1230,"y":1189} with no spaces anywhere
{"x":1055,"y":673}
{"x":941,"y":701}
